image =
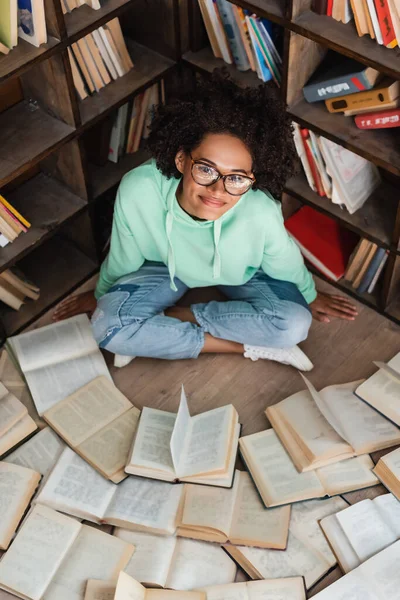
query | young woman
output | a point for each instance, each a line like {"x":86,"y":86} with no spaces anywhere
{"x":202,"y":213}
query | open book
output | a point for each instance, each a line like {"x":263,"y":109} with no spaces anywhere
{"x":376,"y":579}
{"x":75,"y":488}
{"x":278,"y":481}
{"x":11,"y":377}
{"x":15,"y":423}
{"x":57,"y":360}
{"x":176,"y":563}
{"x":99,"y":423}
{"x":307,"y":553}
{"x":320,"y":428}
{"x":236,"y":514}
{"x":17,"y":486}
{"x":53,"y":556}
{"x":178,"y":447}
{"x":127,"y":588}
{"x":388,"y":471}
{"x":382,"y":389}
{"x":362,"y":530}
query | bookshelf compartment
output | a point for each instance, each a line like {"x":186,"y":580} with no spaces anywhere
{"x":204,"y":61}
{"x":83,"y":20}
{"x":104,"y":178}
{"x":24,"y":55}
{"x":344,"y":39}
{"x":274,"y":10}
{"x":148,"y":67}
{"x":58,"y":268}
{"x":374,"y":220}
{"x":46,"y":204}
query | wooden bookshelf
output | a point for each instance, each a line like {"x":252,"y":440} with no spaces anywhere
{"x":104,"y":178}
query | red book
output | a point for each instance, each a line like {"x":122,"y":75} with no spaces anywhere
{"x":322,"y":241}
{"x":383,"y":119}
{"x":385,"y":23}
{"x":305,"y":134}
{"x":329,"y":8}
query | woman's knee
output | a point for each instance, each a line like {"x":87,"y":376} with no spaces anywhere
{"x":294,"y":324}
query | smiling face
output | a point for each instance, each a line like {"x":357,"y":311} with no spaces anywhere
{"x":228,"y":155}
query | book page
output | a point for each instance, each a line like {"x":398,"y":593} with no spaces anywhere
{"x":392,"y":461}
{"x":305,"y":519}
{"x":76,"y":488}
{"x":210,"y":507}
{"x":58,"y":342}
{"x":180,"y":432}
{"x":208,"y":442}
{"x":343,"y":550}
{"x":347,"y":475}
{"x":325,"y":409}
{"x":11,"y":410}
{"x":94,"y":555}
{"x":230,"y":591}
{"x":251,"y":521}
{"x":382,"y":391}
{"x":12,"y":378}
{"x":37,"y":552}
{"x":274,"y":472}
{"x":151,"y":561}
{"x":352,"y":586}
{"x":109,"y":448}
{"x":382,"y":573}
{"x":85,"y":412}
{"x":100,"y":590}
{"x":18,"y":432}
{"x":289,"y":588}
{"x":39,"y":453}
{"x":17,"y":486}
{"x":366,"y":531}
{"x":173,"y":595}
{"x":152,"y":443}
{"x":128,"y":588}
{"x":389,"y":508}
{"x":146,"y":503}
{"x":197,"y":564}
{"x":364,"y":427}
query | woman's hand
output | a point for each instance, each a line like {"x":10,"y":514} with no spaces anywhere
{"x":76,"y":305}
{"x":330,"y":305}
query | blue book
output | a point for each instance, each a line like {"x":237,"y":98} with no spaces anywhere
{"x":232,"y":31}
{"x":372,"y":269}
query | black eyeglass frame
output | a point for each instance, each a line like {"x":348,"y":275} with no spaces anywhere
{"x":220,"y":176}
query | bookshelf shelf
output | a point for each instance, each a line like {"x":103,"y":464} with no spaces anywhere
{"x":274,"y":10}
{"x":47,"y":204}
{"x":380,"y":146}
{"x":84,"y":19}
{"x":28,"y":134}
{"x":373,"y":221}
{"x":343,"y":38}
{"x":24,"y":55}
{"x":149,"y":67}
{"x":204,"y":61}
{"x":58,"y":268}
{"x":104,"y":178}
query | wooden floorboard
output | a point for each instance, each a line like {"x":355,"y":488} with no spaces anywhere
{"x":341,"y":352}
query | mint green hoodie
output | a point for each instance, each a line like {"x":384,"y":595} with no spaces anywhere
{"x":149,"y":224}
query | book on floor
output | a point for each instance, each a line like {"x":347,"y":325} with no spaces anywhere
{"x":75,"y":488}
{"x":279,"y":482}
{"x":99,"y":423}
{"x":58,"y":359}
{"x":236,"y":515}
{"x":176,"y":563}
{"x":15,"y":422}
{"x":307,"y":553}
{"x":53,"y":556}
{"x":382,"y":390}
{"x":179,"y":447}
{"x":320,"y":428}
{"x":388,"y":471}
{"x":362,"y":530}
{"x":32,"y":21}
{"x":17,"y":486}
{"x":12,"y":378}
{"x":376,"y":579}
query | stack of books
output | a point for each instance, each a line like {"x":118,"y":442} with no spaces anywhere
{"x":365,"y":266}
{"x":344,"y":177}
{"x":69,"y":5}
{"x":349,"y":87}
{"x":24,"y":19}
{"x":98,"y":58}
{"x":12,"y":223}
{"x":380,"y":19}
{"x":241,"y":38}
{"x":15,"y":288}
{"x":132,"y":122}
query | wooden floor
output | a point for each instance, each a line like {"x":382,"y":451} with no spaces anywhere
{"x":341,"y":352}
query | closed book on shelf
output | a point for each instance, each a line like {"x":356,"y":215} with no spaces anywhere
{"x":109,"y":43}
{"x":269,"y":59}
{"x":10,"y":295}
{"x":90,"y":65}
{"x":32,"y":21}
{"x":233,"y":34}
{"x":15,"y":212}
{"x":77,"y":52}
{"x":9,"y":23}
{"x":365,"y":265}
{"x":244,"y":33}
{"x":386,"y":91}
{"x":77,"y":77}
{"x":357,"y":258}
{"x":322,"y":241}
{"x":18,"y":281}
{"x":385,"y":23}
{"x":115,"y":29}
{"x":378,"y":120}
{"x":336,"y":77}
{"x":104,"y":54}
{"x":371,"y":270}
{"x":210,"y":29}
{"x":374,"y":20}
{"x":100,"y":64}
{"x":360,"y":16}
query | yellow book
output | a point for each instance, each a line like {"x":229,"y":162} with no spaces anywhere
{"x":14,"y":212}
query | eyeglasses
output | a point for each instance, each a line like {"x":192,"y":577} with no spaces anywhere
{"x":234,"y":184}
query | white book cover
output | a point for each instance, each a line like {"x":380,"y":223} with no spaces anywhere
{"x":117,"y":133}
{"x":3,"y":241}
{"x":32,"y":22}
{"x":104,"y":54}
{"x":219,"y":31}
{"x":375,"y":22}
{"x":112,"y":52}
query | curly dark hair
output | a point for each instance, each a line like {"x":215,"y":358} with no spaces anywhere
{"x":256,"y":115}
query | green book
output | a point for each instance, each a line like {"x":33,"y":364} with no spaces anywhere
{"x":8,"y":23}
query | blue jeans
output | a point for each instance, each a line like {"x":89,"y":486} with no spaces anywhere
{"x":129,"y":319}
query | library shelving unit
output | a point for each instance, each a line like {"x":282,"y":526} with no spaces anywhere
{"x":45,"y":171}
{"x":307,"y":37}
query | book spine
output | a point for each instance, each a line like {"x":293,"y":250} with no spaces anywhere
{"x":378,"y":273}
{"x":371,"y":270}
{"x":329,"y":8}
{"x":385,"y":23}
{"x":362,"y":100}
{"x":337,"y":86}
{"x":378,"y":120}
{"x":313,"y":166}
{"x":15,"y":212}
{"x":233,"y":35}
{"x":375,"y":22}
